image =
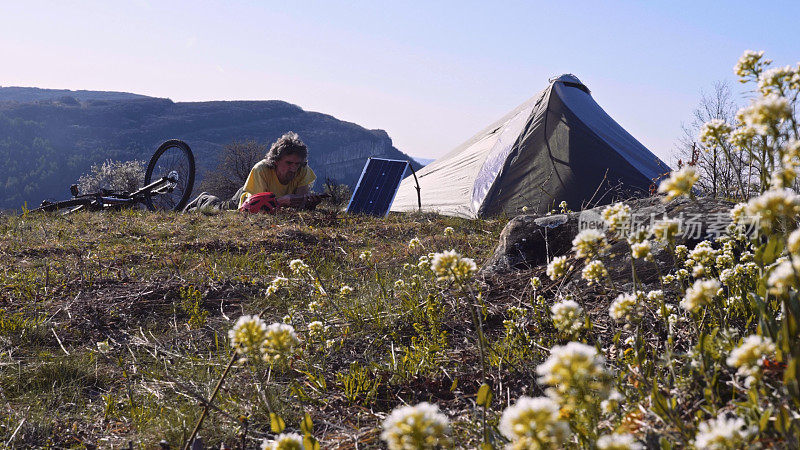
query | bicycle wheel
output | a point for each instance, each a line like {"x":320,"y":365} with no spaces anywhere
{"x":173,"y":156}
{"x":66,"y":206}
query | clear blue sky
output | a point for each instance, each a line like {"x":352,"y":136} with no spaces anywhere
{"x":429,"y":73}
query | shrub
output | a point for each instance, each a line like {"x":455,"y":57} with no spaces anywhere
{"x":113,"y":175}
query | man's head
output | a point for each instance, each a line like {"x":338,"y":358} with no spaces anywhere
{"x":287,"y":156}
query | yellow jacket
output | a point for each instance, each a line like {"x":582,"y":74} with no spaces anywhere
{"x":264,"y":179}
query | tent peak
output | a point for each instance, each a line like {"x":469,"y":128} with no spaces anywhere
{"x":570,"y":80}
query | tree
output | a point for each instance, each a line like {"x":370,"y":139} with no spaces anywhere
{"x":235,"y":162}
{"x":718,"y":174}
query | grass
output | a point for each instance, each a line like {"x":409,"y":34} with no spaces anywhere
{"x":163,"y":290}
{"x":114,"y":329}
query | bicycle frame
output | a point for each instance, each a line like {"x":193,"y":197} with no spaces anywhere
{"x":170,"y":192}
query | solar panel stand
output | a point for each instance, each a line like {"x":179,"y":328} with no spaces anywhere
{"x":419,"y":198}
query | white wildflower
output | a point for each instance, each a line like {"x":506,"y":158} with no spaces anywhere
{"x":700,"y":294}
{"x":727,"y":277}
{"x":448,"y":231}
{"x":279,"y":343}
{"x":572,"y":367}
{"x":765,"y":113}
{"x":558,"y":267}
{"x":679,"y":183}
{"x":103,"y":346}
{"x":248,"y":335}
{"x":424,"y":262}
{"x":589,"y":243}
{"x":656,"y":296}
{"x":749,"y":357}
{"x":416,"y":427}
{"x":298,"y":267}
{"x":704,"y":253}
{"x":345,"y":290}
{"x":280,"y":282}
{"x":414,"y":244}
{"x":751,"y":63}
{"x":534,"y":421}
{"x":641,"y":250}
{"x":775,"y":80}
{"x":449,"y":265}
{"x":784,"y":276}
{"x":714,"y":132}
{"x":536,"y":283}
{"x":738,"y":212}
{"x":568,"y":316}
{"x":698,"y":270}
{"x":612,"y":402}
{"x":793,"y":242}
{"x":665,"y":230}
{"x":681,"y":251}
{"x":723,"y":433}
{"x":284,"y":441}
{"x":625,"y":307}
{"x":617,"y":217}
{"x":594,"y":272}
{"x":617,"y":441}
{"x":316,"y":329}
{"x":742,"y":137}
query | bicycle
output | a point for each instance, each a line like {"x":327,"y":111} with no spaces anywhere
{"x":168,"y":183}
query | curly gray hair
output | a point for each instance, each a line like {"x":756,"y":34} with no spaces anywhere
{"x":288,"y":144}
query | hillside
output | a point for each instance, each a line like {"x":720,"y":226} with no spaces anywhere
{"x":50,"y":137}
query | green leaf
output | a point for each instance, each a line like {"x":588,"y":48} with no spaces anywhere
{"x":781,"y":420}
{"x":307,"y":425}
{"x":276,"y":424}
{"x":487,"y":446}
{"x":310,"y":443}
{"x":764,"y":421}
{"x":484,"y":395}
{"x":454,"y":385}
{"x":774,"y":249}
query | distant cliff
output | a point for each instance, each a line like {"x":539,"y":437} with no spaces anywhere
{"x":50,"y":137}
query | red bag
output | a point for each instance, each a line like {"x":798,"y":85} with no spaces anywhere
{"x":264,"y":202}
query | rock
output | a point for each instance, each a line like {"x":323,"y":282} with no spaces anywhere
{"x":528,"y":240}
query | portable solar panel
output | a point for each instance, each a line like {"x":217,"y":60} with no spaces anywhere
{"x":377,"y":186}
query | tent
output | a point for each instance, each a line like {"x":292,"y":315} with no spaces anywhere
{"x":559,"y":145}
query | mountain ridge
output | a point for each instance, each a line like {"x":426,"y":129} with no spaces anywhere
{"x":48,"y":142}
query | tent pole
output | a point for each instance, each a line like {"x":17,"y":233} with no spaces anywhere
{"x":419,"y":198}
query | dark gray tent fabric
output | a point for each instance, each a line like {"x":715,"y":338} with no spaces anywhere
{"x":592,"y":115}
{"x":559,"y":145}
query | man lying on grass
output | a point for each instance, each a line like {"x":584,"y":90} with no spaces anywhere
{"x":281,"y":179}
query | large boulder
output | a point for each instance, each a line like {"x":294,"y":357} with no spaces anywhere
{"x":528,"y":241}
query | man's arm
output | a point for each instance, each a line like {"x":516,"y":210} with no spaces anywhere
{"x":302,"y":198}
